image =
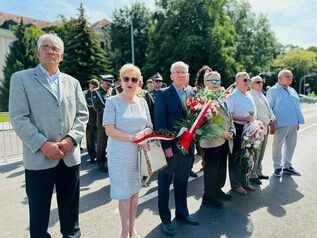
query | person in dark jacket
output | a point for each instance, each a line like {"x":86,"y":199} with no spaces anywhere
{"x":102,"y":93}
{"x":91,"y":131}
{"x":169,"y":108}
{"x":151,"y":95}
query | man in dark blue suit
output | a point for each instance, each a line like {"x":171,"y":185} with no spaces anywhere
{"x":169,"y":109}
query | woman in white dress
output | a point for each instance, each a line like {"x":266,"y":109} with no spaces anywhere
{"x":126,"y":117}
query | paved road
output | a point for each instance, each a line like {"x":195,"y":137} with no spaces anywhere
{"x":285,"y":207}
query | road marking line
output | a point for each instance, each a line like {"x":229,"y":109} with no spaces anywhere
{"x":306,"y":128}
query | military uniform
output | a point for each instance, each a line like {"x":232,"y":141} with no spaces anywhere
{"x":101,"y":96}
{"x":91,"y":131}
{"x":150,"y":96}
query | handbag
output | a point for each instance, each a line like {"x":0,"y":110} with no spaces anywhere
{"x":150,"y":162}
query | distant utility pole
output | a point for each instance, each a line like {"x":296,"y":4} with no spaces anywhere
{"x":132,"y":33}
{"x":132,"y":38}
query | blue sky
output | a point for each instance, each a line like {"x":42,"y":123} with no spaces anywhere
{"x":294,"y":21}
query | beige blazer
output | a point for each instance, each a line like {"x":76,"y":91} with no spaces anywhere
{"x":228,"y":126}
{"x":38,"y":116}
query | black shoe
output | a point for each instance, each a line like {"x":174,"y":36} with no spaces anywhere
{"x":193,"y":174}
{"x":277,"y":172}
{"x":188,"y":220}
{"x":223,"y":196}
{"x":263,"y":177}
{"x":291,"y":171}
{"x":103,"y":169}
{"x":249,"y":188}
{"x":256,"y":181}
{"x":213,"y":203}
{"x":168,"y":229}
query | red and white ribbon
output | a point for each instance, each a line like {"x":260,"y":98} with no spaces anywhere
{"x":186,"y":136}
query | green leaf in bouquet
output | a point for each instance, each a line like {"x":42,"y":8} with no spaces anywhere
{"x":218,"y":120}
{"x":199,"y":132}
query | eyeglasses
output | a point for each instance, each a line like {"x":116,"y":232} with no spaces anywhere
{"x":128,"y":79}
{"x":158,"y":81}
{"x":246,"y":80}
{"x":259,"y":82}
{"x":53,"y":48}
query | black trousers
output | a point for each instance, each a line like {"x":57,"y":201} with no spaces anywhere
{"x":91,"y":140}
{"x":102,"y":139}
{"x":177,"y":172}
{"x":215,"y":169}
{"x":235,"y":158}
{"x":39,"y":189}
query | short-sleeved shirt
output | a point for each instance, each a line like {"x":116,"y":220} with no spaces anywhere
{"x":240,"y":105}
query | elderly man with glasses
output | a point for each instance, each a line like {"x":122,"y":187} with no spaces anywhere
{"x":266,"y":115}
{"x":284,"y":102}
{"x":48,"y":112}
{"x":243,"y":110}
{"x":169,"y":109}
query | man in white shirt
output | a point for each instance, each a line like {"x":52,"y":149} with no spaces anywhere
{"x":243,"y":110}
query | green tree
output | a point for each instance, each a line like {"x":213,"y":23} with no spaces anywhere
{"x":256,"y":43}
{"x":22,"y":55}
{"x":300,"y":61}
{"x":198,"y":32}
{"x":120,"y":34}
{"x":84,"y":59}
{"x":244,"y":21}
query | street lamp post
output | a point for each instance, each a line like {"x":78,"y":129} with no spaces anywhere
{"x":304,"y":78}
{"x":132,"y":38}
{"x":132,"y":32}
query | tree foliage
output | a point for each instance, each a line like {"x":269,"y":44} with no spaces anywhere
{"x":300,"y":61}
{"x":22,"y":55}
{"x":84,"y":58}
{"x":120,"y":35}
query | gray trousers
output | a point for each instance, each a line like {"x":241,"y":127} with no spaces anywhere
{"x":284,"y":143}
{"x":257,"y":167}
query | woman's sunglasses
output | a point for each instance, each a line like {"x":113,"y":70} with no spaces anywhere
{"x":214,"y":81}
{"x":128,"y":79}
{"x":259,"y":82}
{"x":246,"y":80}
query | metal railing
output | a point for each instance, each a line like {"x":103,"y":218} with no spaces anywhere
{"x":11,"y":147}
{"x":10,"y":143}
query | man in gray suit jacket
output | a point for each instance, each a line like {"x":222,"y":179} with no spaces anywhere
{"x":49,"y":113}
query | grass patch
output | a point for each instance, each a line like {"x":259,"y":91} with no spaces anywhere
{"x":4,"y":117}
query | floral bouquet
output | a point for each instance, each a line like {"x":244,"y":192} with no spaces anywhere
{"x":202,"y":121}
{"x":202,"y":118}
{"x":253,"y":135}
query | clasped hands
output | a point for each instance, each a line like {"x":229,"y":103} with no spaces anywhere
{"x":227,"y":135}
{"x":57,"y":150}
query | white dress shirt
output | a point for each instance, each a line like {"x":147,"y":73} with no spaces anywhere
{"x":240,"y":105}
{"x":53,"y":81}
